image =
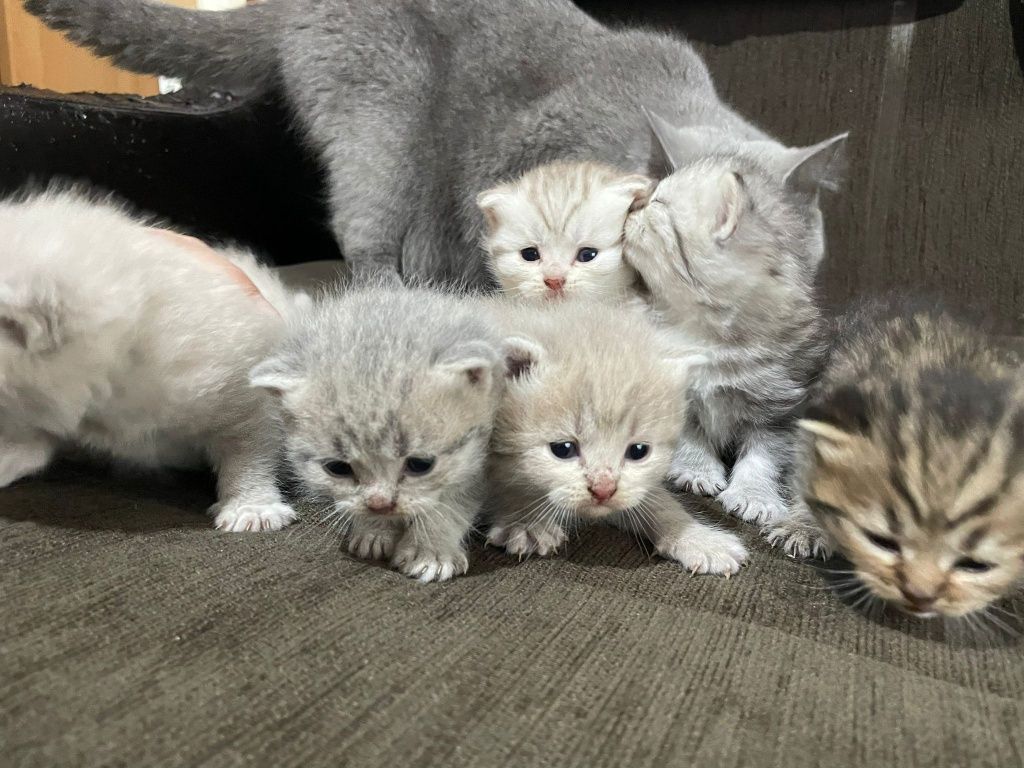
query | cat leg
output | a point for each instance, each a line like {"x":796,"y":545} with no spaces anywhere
{"x":696,"y":467}
{"x":799,"y":535}
{"x":372,"y":538}
{"x":754,"y":493}
{"x":678,"y":535}
{"x":21,"y":459}
{"x":525,"y":530}
{"x":248,"y":498}
{"x":433,"y":546}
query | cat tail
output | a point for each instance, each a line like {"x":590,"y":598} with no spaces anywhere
{"x":155,"y":38}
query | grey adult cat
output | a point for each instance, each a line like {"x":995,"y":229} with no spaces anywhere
{"x":417,"y":106}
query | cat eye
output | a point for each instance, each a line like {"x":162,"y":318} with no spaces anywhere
{"x":586,"y":254}
{"x":415,"y":465}
{"x":566,"y":450}
{"x":637,"y":451}
{"x":530,"y":254}
{"x":338,"y":468}
{"x":883,"y":542}
{"x":971,"y":565}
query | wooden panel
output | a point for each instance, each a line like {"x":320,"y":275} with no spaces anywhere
{"x":34,"y":55}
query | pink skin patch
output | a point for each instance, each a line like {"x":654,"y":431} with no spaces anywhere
{"x":208,"y":255}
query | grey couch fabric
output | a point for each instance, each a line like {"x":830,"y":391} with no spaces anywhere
{"x":133,"y":634}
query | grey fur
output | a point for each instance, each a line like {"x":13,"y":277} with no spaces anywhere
{"x":417,"y":106}
{"x":373,"y":377}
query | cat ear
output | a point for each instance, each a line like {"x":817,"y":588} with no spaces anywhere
{"x":490,"y":204}
{"x":522,"y":356}
{"x":470,"y":363}
{"x":725,"y":202}
{"x":679,"y":145}
{"x":275,"y":376}
{"x":808,"y":169}
{"x":34,"y":327}
{"x":837,"y":422}
{"x":636,"y":187}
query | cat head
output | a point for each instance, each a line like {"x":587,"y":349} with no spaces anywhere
{"x":388,"y":399}
{"x":557,"y":231}
{"x":923,"y":490}
{"x":592,"y":410}
{"x":737,"y":222}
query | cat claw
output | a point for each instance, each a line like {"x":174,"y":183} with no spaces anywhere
{"x":702,"y":485}
{"x":243,"y":517}
{"x":799,"y":540}
{"x":752,"y":507}
{"x":427,"y":567}
{"x":372,"y":545}
{"x":523,"y":541}
{"x":705,"y":550}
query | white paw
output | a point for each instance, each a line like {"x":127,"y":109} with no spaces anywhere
{"x":427,"y":565}
{"x":704,"y":481}
{"x":799,"y":539}
{"x":702,"y":549}
{"x":753,"y":505}
{"x":18,"y":461}
{"x":373,"y":544}
{"x":524,"y":540}
{"x":241,"y":516}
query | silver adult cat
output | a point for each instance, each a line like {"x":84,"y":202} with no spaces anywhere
{"x":417,"y":106}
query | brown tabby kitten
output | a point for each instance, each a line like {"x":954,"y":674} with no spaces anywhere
{"x":914,"y":460}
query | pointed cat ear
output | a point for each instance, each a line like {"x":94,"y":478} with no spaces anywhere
{"x":33,"y":327}
{"x":679,"y":145}
{"x":808,"y":169}
{"x":522,"y":356}
{"x":724,"y":202}
{"x":471,"y":363}
{"x":275,"y":376}
{"x":491,"y":204}
{"x":837,"y":422}
{"x":636,"y":187}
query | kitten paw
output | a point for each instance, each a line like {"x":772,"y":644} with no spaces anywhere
{"x":20,"y":461}
{"x":373,"y":545}
{"x":525,"y":540}
{"x":704,"y":482}
{"x":754,"y":506}
{"x":427,"y":565}
{"x":241,"y":516}
{"x":799,"y":539}
{"x":703,"y":549}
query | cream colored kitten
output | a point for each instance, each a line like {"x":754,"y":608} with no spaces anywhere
{"x":586,"y":430}
{"x":136,"y":343}
{"x":557,"y":231}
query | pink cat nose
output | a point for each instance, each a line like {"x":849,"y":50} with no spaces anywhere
{"x":380,"y":503}
{"x":918,"y":599}
{"x":603,"y":489}
{"x":556,"y":284}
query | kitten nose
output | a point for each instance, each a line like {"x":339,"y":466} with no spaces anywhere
{"x":380,"y":503}
{"x":918,"y":599}
{"x":556,"y":284}
{"x":603,"y":489}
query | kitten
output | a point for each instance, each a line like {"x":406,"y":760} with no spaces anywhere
{"x":586,"y":431}
{"x":728,"y":246}
{"x":389,"y":396}
{"x":136,"y":343}
{"x":913,"y":460}
{"x":557,"y":231}
{"x":417,"y":107}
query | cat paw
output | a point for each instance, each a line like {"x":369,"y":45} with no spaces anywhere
{"x":373,"y":545}
{"x":525,"y":540}
{"x":754,"y":506}
{"x":799,"y":539}
{"x":704,"y":482}
{"x":702,"y":549}
{"x":242,"y":516}
{"x":426,"y":565}
{"x":20,"y":461}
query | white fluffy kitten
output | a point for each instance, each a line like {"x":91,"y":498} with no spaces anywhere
{"x":586,"y":430}
{"x":389,"y":397}
{"x":557,"y":231}
{"x":136,"y":343}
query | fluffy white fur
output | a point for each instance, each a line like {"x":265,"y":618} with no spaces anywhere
{"x":120,"y":339}
{"x":602,"y":382}
{"x":567,"y":218}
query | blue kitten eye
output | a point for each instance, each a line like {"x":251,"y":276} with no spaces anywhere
{"x":637,"y":451}
{"x":586,"y":254}
{"x":530,"y":254}
{"x":566,"y":450}
{"x":971,"y":565}
{"x":415,"y":465}
{"x":338,"y":468}
{"x":883,"y":542}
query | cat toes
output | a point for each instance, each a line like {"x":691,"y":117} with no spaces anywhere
{"x":523,"y":540}
{"x":428,"y":566}
{"x":372,"y":545}
{"x":799,"y":540}
{"x":700,"y":483}
{"x":703,"y":549}
{"x":241,"y":517}
{"x":752,"y":506}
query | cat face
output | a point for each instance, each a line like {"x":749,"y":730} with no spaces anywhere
{"x":396,"y":425}
{"x":590,"y":433}
{"x":930,"y":516}
{"x":557,"y":231}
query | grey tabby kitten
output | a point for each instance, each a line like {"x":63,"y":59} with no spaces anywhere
{"x":389,"y":399}
{"x":418,"y":106}
{"x":913,"y":461}
{"x":729,"y":246}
